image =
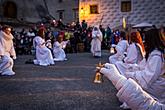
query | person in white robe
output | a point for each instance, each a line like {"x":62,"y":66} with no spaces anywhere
{"x":151,"y":79}
{"x":43,"y":54}
{"x":96,"y":42}
{"x":138,"y":98}
{"x":120,"y":48}
{"x":135,"y":55}
{"x":7,"y":51}
{"x":58,"y":50}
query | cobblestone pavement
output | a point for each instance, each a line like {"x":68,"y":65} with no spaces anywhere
{"x":66,"y":85}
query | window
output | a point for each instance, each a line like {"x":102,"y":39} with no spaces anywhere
{"x":60,"y":15}
{"x":75,"y":14}
{"x":125,"y":6}
{"x":10,"y":10}
{"x":60,"y":1}
{"x":94,"y":9}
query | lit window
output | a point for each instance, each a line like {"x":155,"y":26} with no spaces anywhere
{"x":125,"y":6}
{"x":94,"y":9}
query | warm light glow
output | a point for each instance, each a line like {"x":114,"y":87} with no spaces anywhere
{"x":84,"y":11}
{"x":124,"y":23}
{"x":54,"y":21}
{"x":73,"y":24}
{"x":112,"y":50}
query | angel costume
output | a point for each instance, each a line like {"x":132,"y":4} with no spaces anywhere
{"x":43,"y":54}
{"x":96,"y":42}
{"x":7,"y":54}
{"x":58,"y":51}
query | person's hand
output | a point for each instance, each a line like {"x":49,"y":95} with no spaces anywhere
{"x":111,"y":72}
{"x":108,"y":70}
{"x":13,"y":57}
{"x":108,"y":65}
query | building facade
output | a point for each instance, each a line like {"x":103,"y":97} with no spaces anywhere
{"x":38,"y":10}
{"x":112,"y":12}
{"x":95,"y":12}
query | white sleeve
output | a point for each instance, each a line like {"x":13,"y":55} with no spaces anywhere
{"x":137,"y":99}
{"x":149,"y":74}
{"x":34,"y":42}
{"x":2,"y":51}
{"x":12,"y":51}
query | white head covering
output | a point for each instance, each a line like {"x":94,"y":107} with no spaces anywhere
{"x":97,"y":33}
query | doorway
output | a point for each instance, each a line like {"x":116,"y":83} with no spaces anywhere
{"x":10,"y":10}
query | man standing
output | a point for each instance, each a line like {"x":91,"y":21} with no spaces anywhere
{"x":7,"y":51}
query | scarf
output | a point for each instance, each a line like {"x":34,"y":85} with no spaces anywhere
{"x":7,"y":36}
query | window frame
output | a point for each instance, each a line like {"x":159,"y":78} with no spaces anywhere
{"x":94,"y":6}
{"x":75,"y":13}
{"x":129,"y":6}
{"x":59,"y":12}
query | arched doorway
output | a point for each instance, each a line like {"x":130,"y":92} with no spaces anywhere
{"x":10,"y":9}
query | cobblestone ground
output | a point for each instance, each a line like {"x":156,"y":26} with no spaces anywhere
{"x":66,"y":85}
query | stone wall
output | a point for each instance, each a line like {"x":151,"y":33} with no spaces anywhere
{"x":151,"y":11}
{"x":34,"y":10}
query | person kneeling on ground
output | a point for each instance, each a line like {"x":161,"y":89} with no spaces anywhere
{"x":7,"y":51}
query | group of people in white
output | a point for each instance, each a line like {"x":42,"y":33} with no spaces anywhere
{"x":44,"y":55}
{"x":136,"y":70}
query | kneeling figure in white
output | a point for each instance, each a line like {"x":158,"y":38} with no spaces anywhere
{"x":58,"y":50}
{"x":43,"y":54}
{"x":138,"y":99}
{"x":7,"y":51}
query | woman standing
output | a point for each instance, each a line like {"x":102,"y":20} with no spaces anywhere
{"x":96,"y":42}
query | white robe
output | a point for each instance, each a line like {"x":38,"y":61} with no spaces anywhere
{"x":150,"y":78}
{"x":137,"y":99}
{"x":135,"y":57}
{"x":6,"y":50}
{"x":58,"y":51}
{"x":96,"y":43}
{"x":131,"y":92}
{"x":43,"y":54}
{"x":121,"y":47}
